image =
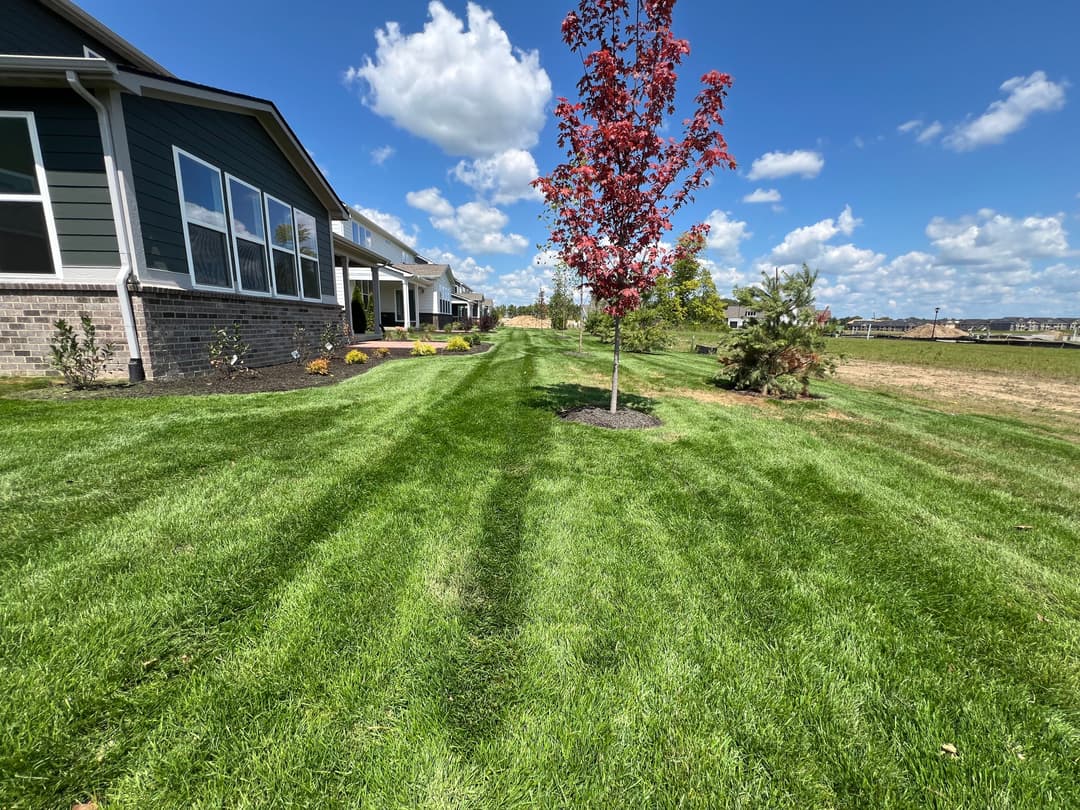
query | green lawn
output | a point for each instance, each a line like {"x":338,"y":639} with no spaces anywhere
{"x":1031,"y":361}
{"x":421,"y":589}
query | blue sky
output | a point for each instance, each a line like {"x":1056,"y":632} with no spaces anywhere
{"x":919,"y":154}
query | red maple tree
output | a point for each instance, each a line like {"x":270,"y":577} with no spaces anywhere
{"x":612,"y":201}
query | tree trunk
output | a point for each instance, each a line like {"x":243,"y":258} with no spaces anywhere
{"x":615,"y":367}
{"x":581,"y":319}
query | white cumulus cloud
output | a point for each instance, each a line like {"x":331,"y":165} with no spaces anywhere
{"x":505,"y":177}
{"x":381,"y":155}
{"x":773,"y":165}
{"x":762,"y":195}
{"x":1025,"y":96}
{"x":466,"y":89}
{"x":725,"y":235}
{"x":477,"y":226}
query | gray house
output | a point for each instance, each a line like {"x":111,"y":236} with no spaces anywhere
{"x":160,"y":207}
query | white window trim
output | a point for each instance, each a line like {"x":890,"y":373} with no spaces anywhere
{"x":41,"y":197}
{"x":229,"y":179}
{"x":272,"y":247}
{"x":301,"y":256}
{"x":177,"y":152}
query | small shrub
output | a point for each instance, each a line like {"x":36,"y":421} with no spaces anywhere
{"x":320,"y":366}
{"x":486,"y":323}
{"x":427,"y":330}
{"x":422,"y":349}
{"x":382,"y":353}
{"x":80,"y":361}
{"x":399,"y":334}
{"x":473,"y":338}
{"x":329,"y":339}
{"x":299,"y":344}
{"x":458,"y":344}
{"x":356,"y":357}
{"x":228,"y":351}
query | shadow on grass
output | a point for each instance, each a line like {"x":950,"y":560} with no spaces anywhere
{"x":563,"y":396}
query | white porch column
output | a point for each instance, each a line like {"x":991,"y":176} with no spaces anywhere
{"x":417,"y":306}
{"x":347,"y":294}
{"x":405,"y":302}
{"x":376,"y":327}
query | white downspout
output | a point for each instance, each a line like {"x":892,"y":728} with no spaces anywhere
{"x":136,"y":372}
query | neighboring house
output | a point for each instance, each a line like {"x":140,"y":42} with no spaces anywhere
{"x":738,"y":316}
{"x":887,"y":325}
{"x":160,"y":207}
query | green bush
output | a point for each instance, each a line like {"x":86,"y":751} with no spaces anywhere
{"x":382,"y":353}
{"x":457,"y":344}
{"x":473,"y":338}
{"x":355,"y":357}
{"x":644,"y":332}
{"x":80,"y":361}
{"x":422,"y":349}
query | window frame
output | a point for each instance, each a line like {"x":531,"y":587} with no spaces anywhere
{"x":42,"y":197}
{"x":233,"y":237}
{"x":301,"y":256}
{"x":271,"y":247}
{"x":177,"y":152}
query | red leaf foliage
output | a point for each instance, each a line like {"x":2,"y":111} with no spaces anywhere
{"x":614,"y":197}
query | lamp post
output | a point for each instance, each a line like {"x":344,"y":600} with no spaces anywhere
{"x":933,"y":329}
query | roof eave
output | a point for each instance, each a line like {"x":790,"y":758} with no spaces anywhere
{"x":76,"y":16}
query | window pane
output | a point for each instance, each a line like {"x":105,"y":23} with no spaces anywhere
{"x":305,"y":231}
{"x":247,"y":215}
{"x":203,"y":201}
{"x":210,"y":256}
{"x":309,"y":275}
{"x":24,"y":239}
{"x":17,"y":172}
{"x":253,"y":274}
{"x":281,"y":225}
{"x":284,"y":272}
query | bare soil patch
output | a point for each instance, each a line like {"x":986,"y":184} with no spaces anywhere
{"x":526,"y":322}
{"x":971,"y":391}
{"x":622,"y":419}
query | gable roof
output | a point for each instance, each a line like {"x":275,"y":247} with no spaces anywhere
{"x":428,"y":271}
{"x":95,"y":28}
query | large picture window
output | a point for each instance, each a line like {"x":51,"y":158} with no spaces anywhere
{"x":240,"y":238}
{"x":28,"y":243}
{"x":249,"y":236}
{"x":202,"y":205}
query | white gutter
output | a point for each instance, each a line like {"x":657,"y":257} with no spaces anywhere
{"x":136,"y":372}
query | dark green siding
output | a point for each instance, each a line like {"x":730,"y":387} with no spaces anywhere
{"x":75,"y":168}
{"x":233,"y":142}
{"x":27,"y":27}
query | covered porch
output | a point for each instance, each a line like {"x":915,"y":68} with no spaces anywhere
{"x":357,"y":281}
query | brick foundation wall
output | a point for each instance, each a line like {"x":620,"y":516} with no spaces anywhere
{"x":29,"y":311}
{"x":175,"y":327}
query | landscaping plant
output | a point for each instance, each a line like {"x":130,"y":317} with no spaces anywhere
{"x":299,"y":344}
{"x":329,"y":340}
{"x":777,"y":353}
{"x":228,"y":351}
{"x":80,"y":360}
{"x":355,"y":357}
{"x":382,"y":353}
{"x":623,"y":180}
{"x":320,"y":366}
{"x":420,"y":349}
{"x":457,"y":343}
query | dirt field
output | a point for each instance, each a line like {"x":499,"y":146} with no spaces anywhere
{"x":1050,"y":402}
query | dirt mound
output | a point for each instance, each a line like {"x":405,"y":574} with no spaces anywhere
{"x":525,"y":322}
{"x":929,"y":330}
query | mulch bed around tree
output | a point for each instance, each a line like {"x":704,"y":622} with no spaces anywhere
{"x":622,"y":419}
{"x":284,"y":377}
